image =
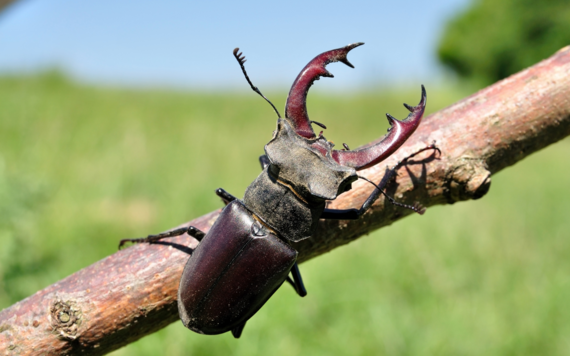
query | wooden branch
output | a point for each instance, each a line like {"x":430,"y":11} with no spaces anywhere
{"x":133,"y":292}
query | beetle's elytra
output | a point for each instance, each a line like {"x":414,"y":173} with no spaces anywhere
{"x":247,"y":255}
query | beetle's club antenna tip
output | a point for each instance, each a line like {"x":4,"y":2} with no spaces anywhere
{"x":241,"y":60}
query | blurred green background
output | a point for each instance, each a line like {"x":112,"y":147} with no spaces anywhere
{"x":493,"y":39}
{"x":83,"y":166}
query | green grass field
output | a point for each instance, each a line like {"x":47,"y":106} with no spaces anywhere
{"x":82,"y":167}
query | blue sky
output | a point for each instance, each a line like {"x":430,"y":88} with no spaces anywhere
{"x":189,"y":43}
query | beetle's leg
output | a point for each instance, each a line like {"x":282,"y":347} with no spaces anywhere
{"x":297,"y":281}
{"x":353,"y":214}
{"x":226,"y":197}
{"x":264,"y":161}
{"x":236,"y":332}
{"x":190,"y":230}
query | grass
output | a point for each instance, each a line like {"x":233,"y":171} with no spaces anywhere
{"x":82,"y":167}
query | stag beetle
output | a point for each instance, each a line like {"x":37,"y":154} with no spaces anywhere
{"x":247,"y":255}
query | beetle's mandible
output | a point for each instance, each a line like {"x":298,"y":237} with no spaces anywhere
{"x":247,"y":255}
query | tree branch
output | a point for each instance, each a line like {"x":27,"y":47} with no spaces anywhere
{"x":132,"y":293}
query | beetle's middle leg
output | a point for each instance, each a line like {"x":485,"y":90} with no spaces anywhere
{"x":226,"y":197}
{"x":190,"y":230}
{"x":353,"y":214}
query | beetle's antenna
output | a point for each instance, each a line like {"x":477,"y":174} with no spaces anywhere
{"x":241,"y":60}
{"x":417,"y":208}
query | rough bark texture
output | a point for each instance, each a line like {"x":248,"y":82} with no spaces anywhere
{"x":132,"y":293}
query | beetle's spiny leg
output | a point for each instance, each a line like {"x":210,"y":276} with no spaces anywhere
{"x":418,"y":208}
{"x":353,"y":214}
{"x":190,"y":230}
{"x":241,"y":60}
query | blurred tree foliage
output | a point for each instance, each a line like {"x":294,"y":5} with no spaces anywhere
{"x":496,"y":38}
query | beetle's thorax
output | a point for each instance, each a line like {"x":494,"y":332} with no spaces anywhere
{"x":280,"y":208}
{"x":290,"y":194}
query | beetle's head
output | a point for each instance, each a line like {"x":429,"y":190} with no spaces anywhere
{"x":306,"y":162}
{"x":306,"y":165}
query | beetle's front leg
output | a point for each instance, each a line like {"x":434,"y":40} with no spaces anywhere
{"x":190,"y":230}
{"x":353,"y":214}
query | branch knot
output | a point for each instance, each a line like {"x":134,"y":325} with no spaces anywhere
{"x":469,"y":179}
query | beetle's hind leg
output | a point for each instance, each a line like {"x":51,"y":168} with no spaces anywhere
{"x":297,"y":281}
{"x":190,"y":230}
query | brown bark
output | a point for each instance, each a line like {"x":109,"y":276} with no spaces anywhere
{"x":133,"y":292}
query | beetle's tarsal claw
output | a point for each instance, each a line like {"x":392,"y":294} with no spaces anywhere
{"x":123,"y":242}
